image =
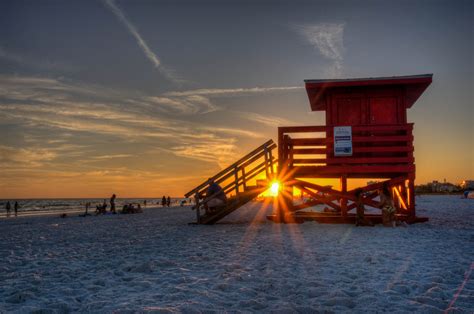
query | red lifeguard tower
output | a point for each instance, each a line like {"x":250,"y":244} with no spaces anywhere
{"x":366,"y":136}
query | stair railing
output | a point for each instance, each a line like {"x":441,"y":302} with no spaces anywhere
{"x":235,"y":177}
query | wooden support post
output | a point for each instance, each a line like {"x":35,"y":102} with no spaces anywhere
{"x":236,"y":176}
{"x":244,"y":179}
{"x":267,"y":174}
{"x":343,"y":201}
{"x":411,"y":196}
{"x":280,"y":152}
{"x":271,"y":163}
{"x":198,"y":211}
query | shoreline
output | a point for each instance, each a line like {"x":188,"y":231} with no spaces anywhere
{"x":58,"y":212}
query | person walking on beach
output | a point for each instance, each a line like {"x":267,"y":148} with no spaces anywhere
{"x":144,"y":203}
{"x":7,"y":208}
{"x":163,"y":201}
{"x":168,"y":201}
{"x":15,"y":207}
{"x":88,"y":204}
{"x":112,"y":204}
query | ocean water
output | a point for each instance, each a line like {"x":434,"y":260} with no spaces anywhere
{"x":75,"y":204}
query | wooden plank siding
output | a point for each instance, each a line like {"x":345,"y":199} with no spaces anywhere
{"x":378,"y":150}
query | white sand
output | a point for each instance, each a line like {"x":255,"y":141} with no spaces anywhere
{"x":156,"y":262}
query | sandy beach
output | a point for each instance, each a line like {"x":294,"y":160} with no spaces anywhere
{"x":156,"y":262}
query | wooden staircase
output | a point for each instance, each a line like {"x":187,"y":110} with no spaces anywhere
{"x":234,"y":181}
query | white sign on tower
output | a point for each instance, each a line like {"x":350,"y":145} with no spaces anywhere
{"x":342,"y":141}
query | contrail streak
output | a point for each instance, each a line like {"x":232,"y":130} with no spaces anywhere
{"x":132,"y":29}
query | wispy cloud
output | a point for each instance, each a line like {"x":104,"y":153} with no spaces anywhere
{"x":328,"y":39}
{"x":187,"y":104}
{"x":206,"y":151}
{"x":12,"y":156}
{"x":231,"y":91}
{"x":106,"y":157}
{"x":51,"y":105}
{"x":34,"y":62}
{"x":199,"y":100}
{"x":266,"y":119}
{"x":154,"y":59}
{"x":133,"y":30}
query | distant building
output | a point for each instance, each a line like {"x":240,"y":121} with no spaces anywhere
{"x":437,"y":187}
{"x":467,"y":185}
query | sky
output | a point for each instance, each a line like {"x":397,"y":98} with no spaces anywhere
{"x":145,"y":98}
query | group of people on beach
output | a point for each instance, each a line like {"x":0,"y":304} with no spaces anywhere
{"x":215,"y":199}
{"x":165,"y":201}
{"x":130,"y":208}
{"x":8,"y":208}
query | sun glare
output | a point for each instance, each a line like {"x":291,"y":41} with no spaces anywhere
{"x":274,"y":188}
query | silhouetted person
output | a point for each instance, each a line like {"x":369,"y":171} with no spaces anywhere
{"x":163,"y":201}
{"x":144,"y":203}
{"x":86,"y":213}
{"x":8,"y":208}
{"x":168,"y":201}
{"x":101,"y":209}
{"x":15,"y":207}
{"x":215,"y":196}
{"x":112,"y":204}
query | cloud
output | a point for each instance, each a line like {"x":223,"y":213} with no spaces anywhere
{"x":48,"y":108}
{"x":34,"y":62}
{"x":156,"y":62}
{"x":106,"y":157}
{"x":328,"y":39}
{"x":189,"y":104}
{"x":231,"y":91}
{"x":133,"y":30}
{"x":198,"y":100}
{"x":222,"y":151}
{"x":266,"y":119}
{"x":18,"y":157}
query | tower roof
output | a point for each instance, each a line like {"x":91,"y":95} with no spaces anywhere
{"x":415,"y":86}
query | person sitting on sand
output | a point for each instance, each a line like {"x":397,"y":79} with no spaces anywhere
{"x":215,"y":196}
{"x":100,"y":209}
{"x":360,"y":215}
{"x":387,"y":206}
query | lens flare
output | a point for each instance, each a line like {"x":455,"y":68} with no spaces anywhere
{"x":274,"y":188}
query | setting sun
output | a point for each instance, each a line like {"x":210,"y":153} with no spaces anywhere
{"x":274,"y":188}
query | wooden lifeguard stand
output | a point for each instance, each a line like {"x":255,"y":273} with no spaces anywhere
{"x":366,"y":136}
